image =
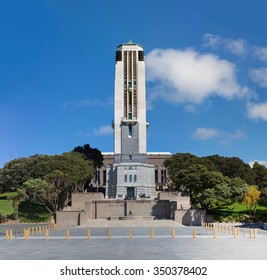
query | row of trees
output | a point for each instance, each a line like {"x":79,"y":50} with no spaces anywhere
{"x":216,"y":181}
{"x":49,"y":180}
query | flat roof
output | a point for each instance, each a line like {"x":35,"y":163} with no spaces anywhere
{"x":149,"y":153}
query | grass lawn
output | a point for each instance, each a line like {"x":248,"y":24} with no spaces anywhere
{"x":6,"y":207}
{"x":238,"y":212}
{"x":28,"y":211}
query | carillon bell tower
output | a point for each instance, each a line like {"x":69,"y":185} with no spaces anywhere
{"x":130,"y":123}
{"x":130,"y":176}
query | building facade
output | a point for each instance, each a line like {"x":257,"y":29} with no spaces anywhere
{"x":155,"y":158}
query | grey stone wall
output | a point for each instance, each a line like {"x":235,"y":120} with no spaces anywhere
{"x":192,"y":217}
{"x":71,"y":218}
{"x":78,"y":199}
{"x":182,"y":199}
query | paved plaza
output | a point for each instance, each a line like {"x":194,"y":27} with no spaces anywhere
{"x":163,"y":240}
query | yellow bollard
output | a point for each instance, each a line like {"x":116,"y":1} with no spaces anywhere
{"x":151,"y":233}
{"x":109,"y":234}
{"x":255,"y":233}
{"x":194,"y":233}
{"x":11,"y":234}
{"x":32,"y":230}
{"x":88,"y":234}
{"x":173,"y":233}
{"x":214,"y":233}
{"x":67,"y":234}
{"x":7,"y":235}
{"x":235,"y":232}
{"x":250,"y":233}
{"x":26,"y":234}
{"x":46,"y":234}
{"x":131,"y":233}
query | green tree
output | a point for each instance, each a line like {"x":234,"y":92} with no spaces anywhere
{"x":41,"y":192}
{"x":209,"y":189}
{"x":18,"y":171}
{"x":251,"y":199}
{"x":260,"y":174}
{"x":232,"y":167}
{"x":92,"y":154}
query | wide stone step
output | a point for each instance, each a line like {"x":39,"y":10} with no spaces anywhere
{"x":132,"y":223}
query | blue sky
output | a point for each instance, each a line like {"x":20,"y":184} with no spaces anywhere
{"x":206,"y":69}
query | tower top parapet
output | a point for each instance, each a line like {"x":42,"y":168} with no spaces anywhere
{"x":129,"y":43}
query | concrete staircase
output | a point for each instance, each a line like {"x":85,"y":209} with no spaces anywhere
{"x":132,"y":223}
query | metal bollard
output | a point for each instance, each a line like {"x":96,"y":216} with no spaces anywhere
{"x":26,"y":234}
{"x":88,"y":234}
{"x":214,"y":233}
{"x":194,"y":233}
{"x":131,"y":233}
{"x":46,"y":234}
{"x":173,"y":233}
{"x":151,"y":233}
{"x":250,"y":233}
{"x":11,"y":234}
{"x":255,"y":233}
{"x":7,"y":235}
{"x":109,"y":234}
{"x":67,"y":234}
{"x":235,"y":232}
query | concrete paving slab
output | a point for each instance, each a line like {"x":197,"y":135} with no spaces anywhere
{"x":140,"y":247}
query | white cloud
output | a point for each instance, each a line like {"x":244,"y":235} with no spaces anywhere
{"x":225,"y":137}
{"x":204,"y":133}
{"x":259,"y":76}
{"x":103,"y":130}
{"x":237,"y":47}
{"x":262,"y":162}
{"x":189,"y":76}
{"x":257,"y":111}
{"x":260,"y":52}
{"x":211,"y":40}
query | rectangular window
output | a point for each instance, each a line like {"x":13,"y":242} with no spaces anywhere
{"x":163,"y":176}
{"x":130,"y":134}
{"x":104,"y":177}
{"x":125,"y":178}
{"x":156,"y":176}
{"x":135,"y":178}
{"x":130,"y":178}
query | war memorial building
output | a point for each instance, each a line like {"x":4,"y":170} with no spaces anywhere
{"x":133,"y":179}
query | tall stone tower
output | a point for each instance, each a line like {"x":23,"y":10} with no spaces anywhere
{"x":130,"y":176}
